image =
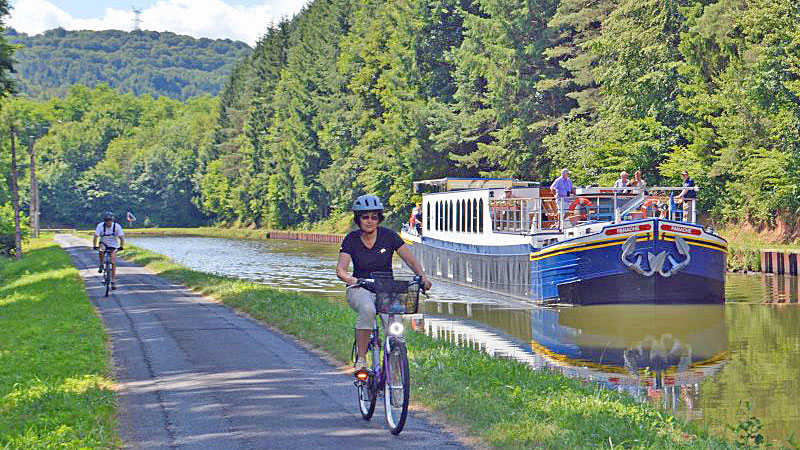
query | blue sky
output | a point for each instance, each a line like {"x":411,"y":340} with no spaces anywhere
{"x":241,"y":20}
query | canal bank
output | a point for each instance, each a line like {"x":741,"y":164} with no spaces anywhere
{"x":502,"y":401}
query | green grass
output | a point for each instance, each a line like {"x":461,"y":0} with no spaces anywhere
{"x":55,"y":385}
{"x":503,"y":402}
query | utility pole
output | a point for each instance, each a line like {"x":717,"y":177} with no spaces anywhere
{"x":15,"y":194}
{"x":137,"y":19}
{"x":34,"y":207}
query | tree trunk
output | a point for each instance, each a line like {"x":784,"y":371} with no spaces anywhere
{"x":34,"y":209}
{"x":15,"y":194}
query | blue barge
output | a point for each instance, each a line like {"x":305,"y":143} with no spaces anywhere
{"x":603,"y":246}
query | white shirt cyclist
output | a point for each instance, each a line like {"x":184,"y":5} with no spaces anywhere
{"x":108,"y":234}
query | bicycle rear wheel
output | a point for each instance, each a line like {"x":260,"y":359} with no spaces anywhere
{"x":368,"y":390}
{"x":396,"y":388}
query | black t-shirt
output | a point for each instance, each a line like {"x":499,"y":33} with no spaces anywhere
{"x":689,"y":183}
{"x":377,"y":259}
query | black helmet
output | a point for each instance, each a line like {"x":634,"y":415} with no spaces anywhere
{"x":108,"y":215}
{"x":367,"y":203}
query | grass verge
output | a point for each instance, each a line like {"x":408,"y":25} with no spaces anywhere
{"x":503,"y":402}
{"x":55,"y":384}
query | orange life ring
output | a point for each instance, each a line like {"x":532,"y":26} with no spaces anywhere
{"x":650,"y":202}
{"x":582,"y":201}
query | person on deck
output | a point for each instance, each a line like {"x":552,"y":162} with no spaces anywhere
{"x":563,"y":188}
{"x":637,"y":182}
{"x":622,"y":182}
{"x":415,"y":219}
{"x":687,"y":196}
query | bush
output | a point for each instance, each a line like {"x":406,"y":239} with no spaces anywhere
{"x":8,"y":229}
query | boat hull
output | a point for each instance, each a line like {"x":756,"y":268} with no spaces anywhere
{"x":645,"y":262}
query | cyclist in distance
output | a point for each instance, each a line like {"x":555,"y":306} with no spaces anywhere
{"x":370,"y":248}
{"x":108,"y":231}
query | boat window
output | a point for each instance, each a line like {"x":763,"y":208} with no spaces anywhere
{"x":449,"y":268}
{"x":468,"y":271}
{"x":469,"y":216}
{"x":447,"y":216}
{"x":428,"y":217}
{"x":463,"y":217}
{"x":458,"y":215}
{"x":480,"y":216}
{"x":474,"y":216}
{"x":450,"y":215}
{"x":436,"y":219}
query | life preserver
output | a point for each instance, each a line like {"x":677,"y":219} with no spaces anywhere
{"x":582,"y":201}
{"x":650,"y":202}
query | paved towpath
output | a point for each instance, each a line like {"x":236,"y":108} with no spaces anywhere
{"x":195,"y":375}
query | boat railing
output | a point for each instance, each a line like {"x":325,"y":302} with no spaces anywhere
{"x":529,"y":215}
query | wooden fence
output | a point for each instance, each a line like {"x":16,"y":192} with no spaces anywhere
{"x":310,"y":237}
{"x":782,"y":262}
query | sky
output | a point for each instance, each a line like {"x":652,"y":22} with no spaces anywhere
{"x":239,"y":20}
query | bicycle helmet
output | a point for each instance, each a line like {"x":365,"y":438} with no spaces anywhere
{"x":367,"y":203}
{"x":108,"y":215}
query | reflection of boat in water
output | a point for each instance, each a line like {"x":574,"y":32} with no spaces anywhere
{"x":650,"y":351}
{"x":604,"y":246}
{"x":657,"y":344}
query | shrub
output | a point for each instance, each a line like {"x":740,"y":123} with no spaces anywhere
{"x":8,"y":229}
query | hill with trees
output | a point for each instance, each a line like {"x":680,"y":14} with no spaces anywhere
{"x":136,"y":62}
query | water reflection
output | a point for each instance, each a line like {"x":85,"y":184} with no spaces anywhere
{"x":655,"y":353}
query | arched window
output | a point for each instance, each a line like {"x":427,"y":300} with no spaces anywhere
{"x":446,"y":216}
{"x":458,"y":215}
{"x":475,"y":216}
{"x":436,"y":219}
{"x":463,"y":216}
{"x":428,"y":217}
{"x":450,"y":217}
{"x":469,"y":216}
{"x":480,"y":216}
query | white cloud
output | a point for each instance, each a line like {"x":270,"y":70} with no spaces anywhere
{"x":215,"y":19}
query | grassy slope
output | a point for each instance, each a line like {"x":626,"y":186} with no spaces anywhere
{"x":503,"y":402}
{"x":55,"y":385}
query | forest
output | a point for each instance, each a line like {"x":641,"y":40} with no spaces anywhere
{"x":137,"y":62}
{"x":354,"y":96}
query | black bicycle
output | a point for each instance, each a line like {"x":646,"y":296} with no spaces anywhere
{"x":394,"y":295}
{"x":108,"y":267}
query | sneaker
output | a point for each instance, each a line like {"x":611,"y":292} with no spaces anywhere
{"x":113,"y":286}
{"x":361,"y":364}
{"x":100,"y":269}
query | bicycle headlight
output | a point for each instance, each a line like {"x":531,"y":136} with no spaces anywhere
{"x":396,"y":328}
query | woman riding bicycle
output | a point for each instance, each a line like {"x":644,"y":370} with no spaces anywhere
{"x":370,"y":248}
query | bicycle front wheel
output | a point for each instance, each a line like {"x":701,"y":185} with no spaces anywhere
{"x":107,"y":278}
{"x":368,"y":390}
{"x":396,"y":388}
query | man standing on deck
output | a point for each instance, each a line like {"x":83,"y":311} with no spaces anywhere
{"x":563,"y":188}
{"x":687,"y":196}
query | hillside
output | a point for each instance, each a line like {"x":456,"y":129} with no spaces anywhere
{"x":139,"y":62}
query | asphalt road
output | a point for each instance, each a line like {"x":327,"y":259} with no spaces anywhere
{"x":193,"y":374}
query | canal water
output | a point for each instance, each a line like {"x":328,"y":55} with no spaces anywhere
{"x":702,"y":362}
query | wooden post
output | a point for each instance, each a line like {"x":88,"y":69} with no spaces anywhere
{"x":15,"y":194}
{"x":34,"y":207}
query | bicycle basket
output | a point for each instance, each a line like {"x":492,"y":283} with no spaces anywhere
{"x":395,"y":294}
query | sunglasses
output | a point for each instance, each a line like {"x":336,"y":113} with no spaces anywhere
{"x":370,"y":216}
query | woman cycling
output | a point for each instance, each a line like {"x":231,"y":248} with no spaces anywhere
{"x":370,"y":248}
